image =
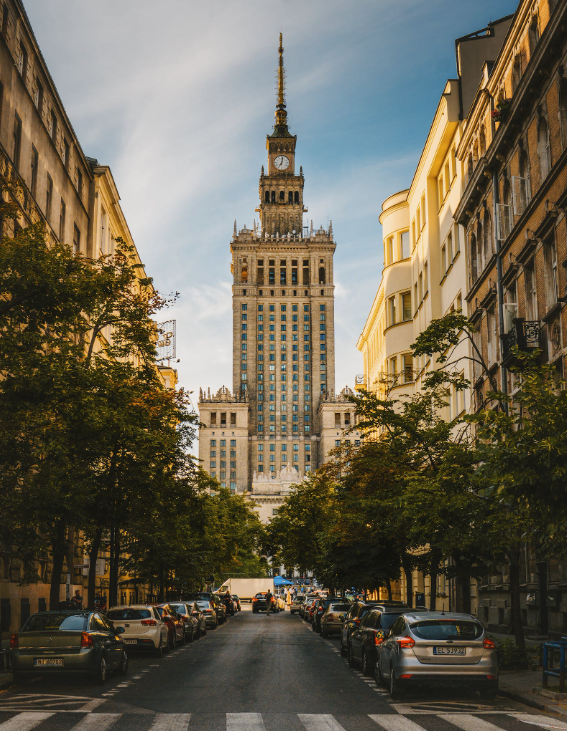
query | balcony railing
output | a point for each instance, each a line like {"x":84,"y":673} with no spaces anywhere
{"x":525,"y":335}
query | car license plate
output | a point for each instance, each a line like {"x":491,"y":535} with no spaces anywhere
{"x":449,"y":650}
{"x":130,"y":642}
{"x":48,"y":662}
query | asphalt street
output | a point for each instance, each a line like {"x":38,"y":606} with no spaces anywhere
{"x":255,"y":673}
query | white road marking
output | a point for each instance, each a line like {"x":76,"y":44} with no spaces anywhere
{"x":97,"y":722}
{"x":541,"y":721}
{"x":171,"y":722}
{"x":244,"y":722}
{"x":91,"y":705}
{"x":469,"y":723}
{"x":395,"y":723}
{"x":320,"y":722}
{"x":25,"y":721}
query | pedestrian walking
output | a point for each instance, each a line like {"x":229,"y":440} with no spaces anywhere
{"x":288,"y":599}
{"x":269,"y":597}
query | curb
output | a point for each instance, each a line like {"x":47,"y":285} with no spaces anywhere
{"x":526,"y":701}
{"x":6,"y":680}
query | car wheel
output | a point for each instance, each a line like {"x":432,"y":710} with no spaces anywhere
{"x":366,"y":669}
{"x":343,"y":650}
{"x":184,"y":640}
{"x":193,"y":635}
{"x":350,"y":657}
{"x":123,"y":669}
{"x":171,"y":643}
{"x":204,"y":631}
{"x":159,"y":649}
{"x":395,"y":693}
{"x":324,"y":633}
{"x":100,"y":675}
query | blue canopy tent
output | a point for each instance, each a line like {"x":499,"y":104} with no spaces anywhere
{"x":280,"y":581}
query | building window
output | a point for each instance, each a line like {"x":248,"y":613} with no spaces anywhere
{"x":62,"y":216}
{"x":17,"y":140}
{"x":76,"y":239}
{"x":408,"y":368}
{"x":34,"y":166}
{"x":390,"y":250}
{"x":392,"y":310}
{"x":543,"y":149}
{"x":550,"y":262}
{"x":491,"y":335}
{"x":405,"y":241}
{"x":393,"y":367}
{"x":53,"y":126}
{"x":48,"y":196}
{"x":38,"y":95}
{"x":79,"y":182}
{"x":22,"y":61}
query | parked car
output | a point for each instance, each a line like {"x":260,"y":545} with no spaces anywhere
{"x":259,"y":603}
{"x":320,"y":608}
{"x":296,"y":603}
{"x":310,"y":610}
{"x":439,"y":649}
{"x":209,"y":612}
{"x":306,"y":604}
{"x":332,"y":619}
{"x":237,"y":604}
{"x":142,"y":627}
{"x":354,"y":617}
{"x":369,"y":635}
{"x":191,"y":624}
{"x":175,"y":625}
{"x":68,"y":642}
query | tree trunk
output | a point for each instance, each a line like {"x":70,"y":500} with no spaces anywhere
{"x":389,"y":589}
{"x":517,"y":628}
{"x":114,"y":562}
{"x":161,"y":585}
{"x":409,"y":581}
{"x":433,"y":589}
{"x":93,"y":556}
{"x":465,"y":592}
{"x":543,"y":613}
{"x":58,"y":550}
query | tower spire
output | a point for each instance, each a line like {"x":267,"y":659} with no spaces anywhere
{"x":280,"y":127}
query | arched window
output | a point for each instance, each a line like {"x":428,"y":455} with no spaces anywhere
{"x":487,"y":241}
{"x":267,"y":196}
{"x":321,"y":275}
{"x":282,"y":195}
{"x":290,"y":196}
{"x":273,"y":196}
{"x":474,"y":261}
{"x":296,"y":196}
{"x":534,"y":34}
{"x":543,"y":150}
{"x":479,"y":248}
{"x":482,"y":139}
{"x":516,"y":72}
{"x":563,"y":110}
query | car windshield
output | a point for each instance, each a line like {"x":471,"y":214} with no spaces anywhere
{"x":202,"y":604}
{"x":126,"y":614}
{"x":179,"y":608}
{"x":447,"y":629}
{"x":339,"y":607}
{"x":54,"y":622}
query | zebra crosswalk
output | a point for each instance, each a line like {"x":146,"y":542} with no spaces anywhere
{"x":66,"y":721}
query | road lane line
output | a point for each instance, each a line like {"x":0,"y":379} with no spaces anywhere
{"x":244,"y":722}
{"x":171,"y":722}
{"x":467,"y":722}
{"x":320,"y":722}
{"x":395,"y":723}
{"x":25,"y":721}
{"x":541,"y":721}
{"x":96,"y":722}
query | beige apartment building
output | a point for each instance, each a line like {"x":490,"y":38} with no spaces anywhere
{"x":425,"y":273}
{"x":266,"y":434}
{"x":79,"y":202}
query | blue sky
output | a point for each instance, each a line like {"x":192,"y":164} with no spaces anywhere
{"x":178,"y":96}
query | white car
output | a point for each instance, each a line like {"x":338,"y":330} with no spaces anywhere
{"x":143,"y":627}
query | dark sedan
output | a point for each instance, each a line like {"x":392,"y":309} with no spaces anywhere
{"x":355,"y":615}
{"x":260,"y":604}
{"x":68,"y":642}
{"x":191,"y":624}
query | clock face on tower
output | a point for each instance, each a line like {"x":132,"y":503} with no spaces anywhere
{"x":281,"y":162}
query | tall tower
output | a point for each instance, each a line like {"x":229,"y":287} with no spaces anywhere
{"x":283,"y":338}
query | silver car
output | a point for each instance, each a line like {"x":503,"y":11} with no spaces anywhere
{"x":438,"y":649}
{"x":296,"y":603}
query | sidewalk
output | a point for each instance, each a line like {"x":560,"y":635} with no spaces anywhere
{"x":522,"y":687}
